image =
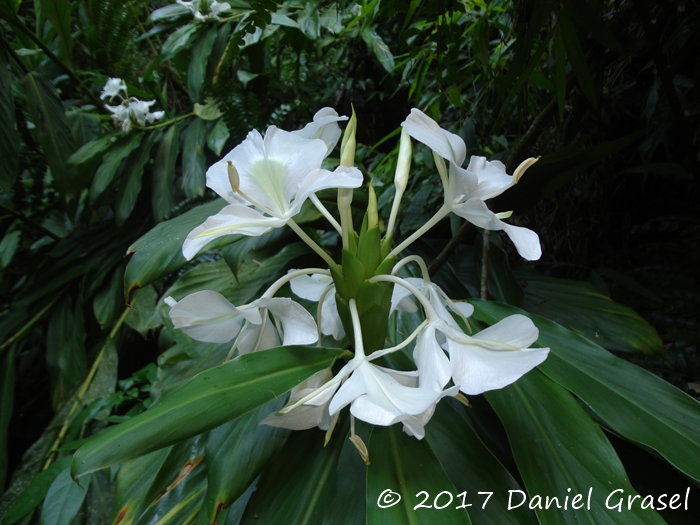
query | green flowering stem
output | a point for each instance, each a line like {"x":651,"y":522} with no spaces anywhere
{"x":441,"y":214}
{"x":311,"y":243}
{"x":169,"y":122}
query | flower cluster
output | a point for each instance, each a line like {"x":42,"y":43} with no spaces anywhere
{"x":205,"y":9}
{"x":265,"y":181}
{"x":131,"y":110}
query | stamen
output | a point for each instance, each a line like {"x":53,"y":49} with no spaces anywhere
{"x":357,"y":441}
{"x":233,"y":177}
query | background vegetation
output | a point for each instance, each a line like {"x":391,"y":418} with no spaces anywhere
{"x":606,"y":92}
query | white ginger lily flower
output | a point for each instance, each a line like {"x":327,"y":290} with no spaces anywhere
{"x":211,"y":8}
{"x":208,"y":316}
{"x":136,"y":110}
{"x":466,"y":189}
{"x":112,"y":88}
{"x":495,"y":357}
{"x":275,"y":174}
{"x":315,"y":287}
{"x":324,"y":126}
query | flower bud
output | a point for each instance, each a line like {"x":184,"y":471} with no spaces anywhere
{"x":372,"y":214}
{"x":347,"y":147}
{"x":403,"y":165}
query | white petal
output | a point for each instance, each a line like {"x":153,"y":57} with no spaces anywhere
{"x":351,"y":390}
{"x":526,"y":241}
{"x":320,"y":179}
{"x":424,"y":129}
{"x":331,"y":323}
{"x":324,"y":127}
{"x":170,"y":301}
{"x":385,"y":390}
{"x":302,"y":417}
{"x":258,"y":337}
{"x":466,"y":308}
{"x":516,"y":330}
{"x":477,"y":370}
{"x":298,"y":325}
{"x":402,"y":300}
{"x":433,"y":365}
{"x":462,"y":184}
{"x":310,"y":287}
{"x":492,"y":177}
{"x":207,"y":316}
{"x":234,"y":218}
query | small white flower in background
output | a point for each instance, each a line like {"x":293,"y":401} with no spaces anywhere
{"x":208,"y":316}
{"x":266,"y":180}
{"x":466,"y":189}
{"x":112,"y":88}
{"x":205,"y":9}
{"x":131,"y":109}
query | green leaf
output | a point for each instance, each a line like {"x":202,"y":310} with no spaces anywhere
{"x":297,"y":487}
{"x":193,"y":162}
{"x":130,"y":186}
{"x":583,"y":309}
{"x":577,"y":58}
{"x":109,"y":301}
{"x":309,"y":21}
{"x":407,"y":467}
{"x":159,"y":252}
{"x":470,"y":464}
{"x":217,"y":137}
{"x":9,"y":139}
{"x":143,"y":317}
{"x":632,"y":401}
{"x":59,"y":14}
{"x":53,"y":131}
{"x":7,"y":392}
{"x":35,"y":492}
{"x":501,"y":283}
{"x":210,"y":399}
{"x":8,"y":247}
{"x":209,"y":111}
{"x":178,"y":40}
{"x":65,"y":348}
{"x":94,"y":148}
{"x":236,"y":454}
{"x":380,"y":49}
{"x":63,"y":500}
{"x":9,"y":7}
{"x":557,"y":446}
{"x":111,"y":162}
{"x":163,"y":198}
{"x":198,"y":62}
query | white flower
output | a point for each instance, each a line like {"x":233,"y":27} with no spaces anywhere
{"x":494,"y":357}
{"x":208,"y":316}
{"x":205,"y":9}
{"x":313,"y":287}
{"x":134,"y":110}
{"x":324,"y":127}
{"x":275,"y":174}
{"x":112,"y":88}
{"x":466,"y":189}
{"x":382,"y":396}
{"x":307,"y":415}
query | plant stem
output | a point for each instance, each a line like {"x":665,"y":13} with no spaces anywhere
{"x":485,"y":264}
{"x":83,"y":390}
{"x":29,"y":221}
{"x":312,"y":244}
{"x":169,"y":122}
{"x":27,"y":326}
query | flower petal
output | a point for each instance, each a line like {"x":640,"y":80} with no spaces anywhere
{"x":320,"y":179}
{"x":492,"y":177}
{"x":207,"y":316}
{"x":424,"y":129}
{"x":324,"y":127}
{"x":434,"y":369}
{"x":516,"y":330}
{"x":310,"y":287}
{"x":477,"y":370}
{"x":298,"y":325}
{"x":234,"y":218}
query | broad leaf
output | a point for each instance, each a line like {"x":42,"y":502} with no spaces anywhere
{"x":7,"y":394}
{"x":557,"y":447}
{"x":163,"y":196}
{"x":210,"y":399}
{"x":63,"y":500}
{"x":632,"y":401}
{"x":407,"y":485}
{"x":193,"y":162}
{"x":53,"y":131}
{"x":471,"y":465}
{"x":59,"y":14}
{"x":198,"y":61}
{"x":217,"y":137}
{"x":111,"y":162}
{"x":130,"y":187}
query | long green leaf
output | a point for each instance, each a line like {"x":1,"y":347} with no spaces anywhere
{"x":210,"y":399}
{"x":53,"y":131}
{"x":557,"y":447}
{"x":577,"y":58}
{"x":297,"y":487}
{"x":63,"y":500}
{"x":632,"y":401}
{"x":193,"y":161}
{"x":470,"y":464}
{"x":236,"y":454}
{"x":9,"y":141}
{"x":58,"y":12}
{"x":163,"y":196}
{"x":111,"y":162}
{"x":404,"y":471}
{"x":199,"y":57}
{"x":583,"y":309}
{"x":159,"y":252}
{"x":130,"y":187}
